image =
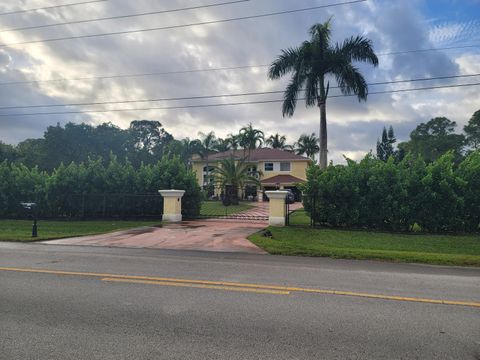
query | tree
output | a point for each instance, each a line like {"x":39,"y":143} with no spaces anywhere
{"x":251,"y":138}
{"x":147,"y":140}
{"x":311,"y":63}
{"x":472,"y":131}
{"x":207,"y":142}
{"x":222,"y":145}
{"x":433,"y":139}
{"x":307,"y":145}
{"x":7,"y":152}
{"x":233,"y":141}
{"x":232,"y":175}
{"x":385,"y":147}
{"x":278,"y":141}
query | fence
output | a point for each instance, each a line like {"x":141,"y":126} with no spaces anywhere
{"x":99,"y":206}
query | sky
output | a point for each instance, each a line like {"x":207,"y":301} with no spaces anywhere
{"x":353,"y":128}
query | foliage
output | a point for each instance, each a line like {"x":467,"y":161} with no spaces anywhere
{"x":307,"y":145}
{"x":472,"y":131}
{"x":59,"y":193}
{"x":373,"y":194}
{"x":385,"y":147}
{"x":278,"y":141}
{"x":312,"y":62}
{"x":433,"y":139}
{"x":251,"y":138}
{"x":233,"y":174}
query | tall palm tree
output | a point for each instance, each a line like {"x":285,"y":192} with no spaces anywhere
{"x":251,"y":138}
{"x":307,"y":145}
{"x":232,"y":175}
{"x":312,"y":62}
{"x":208,"y":142}
{"x":277,"y":141}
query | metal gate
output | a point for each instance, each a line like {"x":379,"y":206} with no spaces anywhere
{"x":244,"y":210}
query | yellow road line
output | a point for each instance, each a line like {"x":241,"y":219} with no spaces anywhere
{"x":200,"y":286}
{"x":263,"y":288}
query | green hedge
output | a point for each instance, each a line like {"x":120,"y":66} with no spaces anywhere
{"x":373,"y":194}
{"x":61,"y":192}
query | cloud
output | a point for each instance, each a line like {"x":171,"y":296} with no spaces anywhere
{"x":353,"y":126}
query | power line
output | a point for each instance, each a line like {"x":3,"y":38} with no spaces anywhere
{"x":202,"y":97}
{"x":229,"y":104}
{"x":51,"y":7}
{"x":124,"y":16}
{"x":184,"y":25}
{"x":428,"y":49}
{"x":188,"y":71}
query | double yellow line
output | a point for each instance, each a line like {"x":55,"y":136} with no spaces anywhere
{"x":234,"y":286}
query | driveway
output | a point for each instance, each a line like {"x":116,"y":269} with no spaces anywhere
{"x":209,"y":235}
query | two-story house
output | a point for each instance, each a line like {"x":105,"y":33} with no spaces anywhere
{"x":276,"y":169}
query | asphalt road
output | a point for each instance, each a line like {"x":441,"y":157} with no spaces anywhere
{"x":106,"y":303}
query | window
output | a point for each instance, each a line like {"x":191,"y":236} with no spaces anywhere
{"x":268,"y":166}
{"x":284,"y":166}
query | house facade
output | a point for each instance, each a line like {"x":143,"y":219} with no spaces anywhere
{"x":274,"y":168}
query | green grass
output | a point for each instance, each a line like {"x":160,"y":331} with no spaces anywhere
{"x":21,"y":230}
{"x":431,"y":249}
{"x":216,"y":208}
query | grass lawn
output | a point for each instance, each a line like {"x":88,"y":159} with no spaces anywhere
{"x":21,"y":230}
{"x":348,"y":244}
{"x":216,"y":208}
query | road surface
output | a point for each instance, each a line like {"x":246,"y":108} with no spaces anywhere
{"x":75,"y":302}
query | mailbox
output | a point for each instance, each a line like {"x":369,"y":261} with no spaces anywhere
{"x":31,"y":209}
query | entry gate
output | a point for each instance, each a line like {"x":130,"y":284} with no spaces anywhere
{"x":243,"y":211}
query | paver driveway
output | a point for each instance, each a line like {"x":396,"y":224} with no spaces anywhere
{"x":207,"y":235}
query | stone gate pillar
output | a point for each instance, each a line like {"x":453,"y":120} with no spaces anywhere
{"x":277,"y":209}
{"x":172,"y":205}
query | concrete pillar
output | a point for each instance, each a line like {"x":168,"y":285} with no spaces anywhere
{"x":172,"y":205}
{"x":277,"y":214}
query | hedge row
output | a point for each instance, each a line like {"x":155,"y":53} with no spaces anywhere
{"x":100,"y":189}
{"x":372,"y":194}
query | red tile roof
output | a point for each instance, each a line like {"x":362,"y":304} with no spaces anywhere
{"x":282,"y":179}
{"x":263,"y":154}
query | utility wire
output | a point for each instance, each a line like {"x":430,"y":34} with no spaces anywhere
{"x":51,"y":7}
{"x":188,"y":71}
{"x":201,"y":97}
{"x":230,"y":104}
{"x":123,"y":16}
{"x":184,"y":25}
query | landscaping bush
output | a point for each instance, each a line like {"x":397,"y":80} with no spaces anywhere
{"x":95,"y":188}
{"x":373,"y":194}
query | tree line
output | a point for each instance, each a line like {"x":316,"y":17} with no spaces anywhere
{"x":432,"y":139}
{"x":144,"y":142}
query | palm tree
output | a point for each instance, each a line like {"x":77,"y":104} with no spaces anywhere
{"x":233,"y":141}
{"x":208,"y":142}
{"x":250,"y":137}
{"x":232,"y":175}
{"x":188,"y":148}
{"x":222,"y":145}
{"x":277,"y":141}
{"x":307,"y":145}
{"x":312,"y":62}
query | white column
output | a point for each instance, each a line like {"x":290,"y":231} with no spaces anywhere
{"x":277,"y":213}
{"x":172,"y":205}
